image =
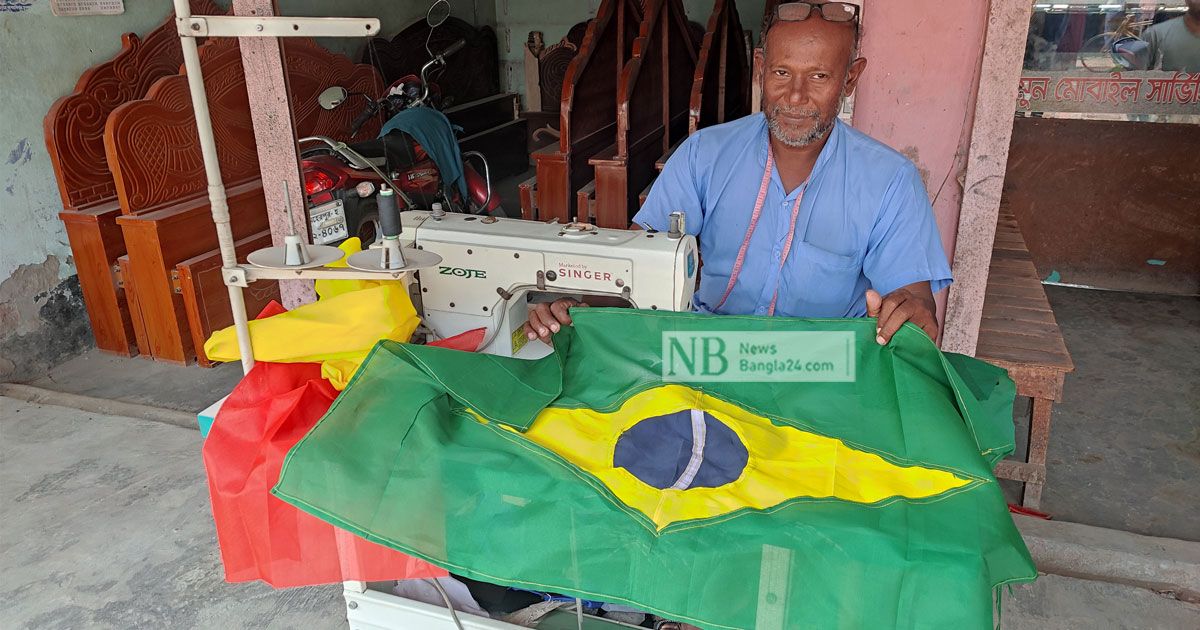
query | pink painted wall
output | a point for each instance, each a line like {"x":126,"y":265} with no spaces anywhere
{"x":917,"y":94}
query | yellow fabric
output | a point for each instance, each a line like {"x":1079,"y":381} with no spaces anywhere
{"x":333,"y":288}
{"x":344,"y":327}
{"x":338,"y":330}
{"x":784,"y":463}
{"x":340,"y":371}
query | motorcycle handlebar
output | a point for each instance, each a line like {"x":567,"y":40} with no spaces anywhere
{"x":453,"y":48}
{"x":362,"y":119}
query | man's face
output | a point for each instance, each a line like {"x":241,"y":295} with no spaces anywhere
{"x":806,"y":72}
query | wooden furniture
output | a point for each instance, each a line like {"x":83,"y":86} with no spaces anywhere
{"x":588,"y":112}
{"x":129,"y":291}
{"x":205,"y":298}
{"x":545,"y":71}
{"x":721,"y":87}
{"x":653,"y":97}
{"x":311,"y":69}
{"x":74,"y":134}
{"x":1134,"y":228}
{"x":154,"y":154}
{"x":161,"y":239}
{"x":96,"y":246}
{"x":1019,"y":333}
{"x":493,"y":126}
{"x":469,"y":85}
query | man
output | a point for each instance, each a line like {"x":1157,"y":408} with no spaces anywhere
{"x":1176,"y":41}
{"x":797,"y":214}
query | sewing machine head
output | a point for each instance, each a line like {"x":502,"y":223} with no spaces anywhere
{"x":490,"y":266}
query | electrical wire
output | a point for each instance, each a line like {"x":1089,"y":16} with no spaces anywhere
{"x":449,"y":604}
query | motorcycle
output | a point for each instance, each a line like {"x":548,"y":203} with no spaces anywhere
{"x":342,"y":181}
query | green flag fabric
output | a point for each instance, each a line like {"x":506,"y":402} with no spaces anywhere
{"x":619,"y":469}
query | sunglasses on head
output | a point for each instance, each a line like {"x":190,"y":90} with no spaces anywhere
{"x":829,"y":11}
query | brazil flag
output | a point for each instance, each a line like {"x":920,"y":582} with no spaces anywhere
{"x":867,"y":502}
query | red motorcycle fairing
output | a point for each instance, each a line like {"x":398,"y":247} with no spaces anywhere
{"x":324,"y":174}
{"x":477,"y":188}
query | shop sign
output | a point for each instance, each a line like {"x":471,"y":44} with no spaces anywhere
{"x":1153,"y":92}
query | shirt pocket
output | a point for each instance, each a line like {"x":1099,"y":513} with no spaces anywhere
{"x":820,"y":283}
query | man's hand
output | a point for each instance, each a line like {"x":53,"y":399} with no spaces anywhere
{"x":547,"y":319}
{"x":913,"y":303}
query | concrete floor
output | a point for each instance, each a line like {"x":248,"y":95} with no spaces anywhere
{"x":105,"y":523}
{"x":1054,"y":602}
{"x":1125,"y":443}
{"x":101,"y":375}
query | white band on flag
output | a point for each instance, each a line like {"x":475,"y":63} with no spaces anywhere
{"x":699,"y":431}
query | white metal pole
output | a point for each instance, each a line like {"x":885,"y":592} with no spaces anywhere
{"x":216,"y":187}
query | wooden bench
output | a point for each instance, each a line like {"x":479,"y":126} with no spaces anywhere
{"x":721,"y":84}
{"x":206,"y":299}
{"x":1018,"y":332}
{"x":491,"y":125}
{"x":653,"y":95}
{"x":588,"y":113}
{"x":74,"y":133}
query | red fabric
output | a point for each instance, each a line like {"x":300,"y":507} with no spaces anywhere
{"x":261,"y":537}
{"x":468,"y":341}
{"x":272,"y":308}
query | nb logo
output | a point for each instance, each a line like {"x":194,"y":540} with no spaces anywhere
{"x":462,"y":272}
{"x":708,"y":355}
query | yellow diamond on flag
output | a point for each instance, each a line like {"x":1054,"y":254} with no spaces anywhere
{"x":674,"y":454}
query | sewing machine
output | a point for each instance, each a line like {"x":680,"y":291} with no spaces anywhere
{"x":490,"y":265}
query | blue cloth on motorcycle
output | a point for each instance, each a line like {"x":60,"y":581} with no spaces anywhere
{"x":433,"y":131}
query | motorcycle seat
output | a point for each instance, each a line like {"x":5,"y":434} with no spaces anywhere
{"x":395,"y":150}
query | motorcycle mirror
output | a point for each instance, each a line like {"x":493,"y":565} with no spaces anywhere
{"x":332,"y":97}
{"x":438,"y":13}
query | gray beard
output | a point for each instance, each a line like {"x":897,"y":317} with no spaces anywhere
{"x":780,"y":133}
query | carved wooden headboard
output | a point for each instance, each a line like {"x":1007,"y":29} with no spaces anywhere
{"x":152,"y":146}
{"x":74,"y":126}
{"x":311,"y":69}
{"x":552,"y":63}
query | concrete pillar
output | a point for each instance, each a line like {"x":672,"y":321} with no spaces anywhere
{"x":1008,"y":27}
{"x":917,"y":94}
{"x":275,"y":134}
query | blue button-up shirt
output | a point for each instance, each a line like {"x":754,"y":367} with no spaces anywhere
{"x":865,"y":222}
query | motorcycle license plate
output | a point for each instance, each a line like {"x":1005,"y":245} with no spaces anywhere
{"x":328,"y":223}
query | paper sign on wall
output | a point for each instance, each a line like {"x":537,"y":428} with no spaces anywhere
{"x":87,"y":7}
